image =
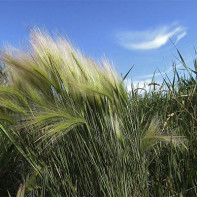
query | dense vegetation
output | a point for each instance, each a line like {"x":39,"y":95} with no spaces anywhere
{"x":69,"y":127}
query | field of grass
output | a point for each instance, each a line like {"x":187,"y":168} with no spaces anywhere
{"x":69,"y":127}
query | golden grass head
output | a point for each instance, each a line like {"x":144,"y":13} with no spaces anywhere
{"x":54,"y":63}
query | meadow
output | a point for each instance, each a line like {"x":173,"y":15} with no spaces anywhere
{"x":70,"y":127}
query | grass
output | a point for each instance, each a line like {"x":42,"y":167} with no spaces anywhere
{"x":69,"y":127}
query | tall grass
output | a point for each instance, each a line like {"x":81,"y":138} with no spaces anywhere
{"x":70,"y":128}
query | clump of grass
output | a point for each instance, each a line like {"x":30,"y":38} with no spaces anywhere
{"x":78,"y":132}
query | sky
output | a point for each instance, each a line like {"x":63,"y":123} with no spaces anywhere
{"x":139,"y":33}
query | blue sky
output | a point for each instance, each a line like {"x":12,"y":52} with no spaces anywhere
{"x":126,"y":32}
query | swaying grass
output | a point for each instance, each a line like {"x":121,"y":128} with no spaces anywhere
{"x":70,"y":128}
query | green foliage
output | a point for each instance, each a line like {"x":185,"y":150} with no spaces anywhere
{"x":70,"y":128}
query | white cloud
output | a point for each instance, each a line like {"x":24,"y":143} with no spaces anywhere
{"x":157,"y":74}
{"x":150,"y":39}
{"x":151,"y":75}
{"x":145,"y":80}
{"x":180,"y":36}
{"x":143,"y":84}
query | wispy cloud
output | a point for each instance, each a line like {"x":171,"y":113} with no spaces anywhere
{"x":150,"y":39}
{"x":142,"y":81}
{"x":157,"y":74}
{"x":143,"y":84}
{"x":180,"y":36}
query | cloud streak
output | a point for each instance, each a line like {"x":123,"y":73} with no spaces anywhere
{"x":150,"y":39}
{"x":142,"y":81}
{"x":157,"y":74}
{"x":143,"y":84}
